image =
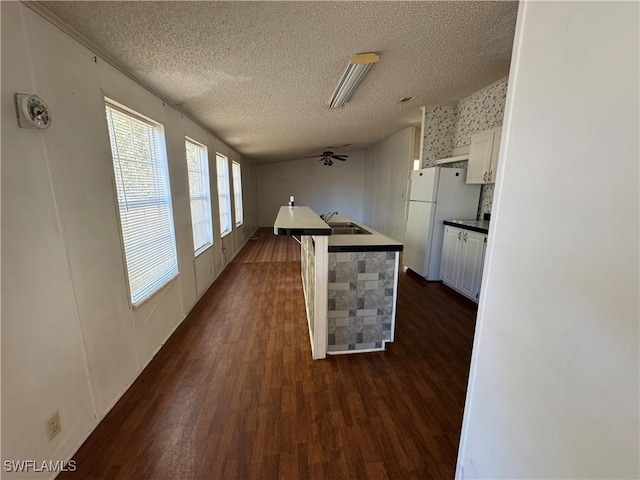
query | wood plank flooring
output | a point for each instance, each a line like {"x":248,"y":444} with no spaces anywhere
{"x":234,"y":394}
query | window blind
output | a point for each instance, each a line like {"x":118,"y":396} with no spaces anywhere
{"x":144,"y":202}
{"x":237,"y":192}
{"x":200,"y":195}
{"x":224,"y":197}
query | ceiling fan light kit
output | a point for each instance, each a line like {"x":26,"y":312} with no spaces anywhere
{"x":358,"y":67}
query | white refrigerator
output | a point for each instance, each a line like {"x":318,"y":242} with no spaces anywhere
{"x":436,"y":194}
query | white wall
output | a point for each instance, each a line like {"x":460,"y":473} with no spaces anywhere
{"x":554,"y":385}
{"x":70,"y":340}
{"x":324,"y":189}
{"x":388,"y":164}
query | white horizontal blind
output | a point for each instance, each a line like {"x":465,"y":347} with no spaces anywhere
{"x":224,"y":194}
{"x":237,"y":192}
{"x":199,"y":193}
{"x":144,"y":202}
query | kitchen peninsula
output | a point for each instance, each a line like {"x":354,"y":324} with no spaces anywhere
{"x":350,"y":281}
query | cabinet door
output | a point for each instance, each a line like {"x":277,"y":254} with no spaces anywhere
{"x":495,"y":154}
{"x":479,"y":157}
{"x":450,"y":255}
{"x":470,"y":271}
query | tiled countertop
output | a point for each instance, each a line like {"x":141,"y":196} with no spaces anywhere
{"x":480,"y":226}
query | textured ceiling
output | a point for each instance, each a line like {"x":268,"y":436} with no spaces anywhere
{"x":260,"y":74}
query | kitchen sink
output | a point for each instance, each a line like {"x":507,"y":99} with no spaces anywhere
{"x":347,"y":228}
{"x":348,"y":231}
{"x":342,"y":225}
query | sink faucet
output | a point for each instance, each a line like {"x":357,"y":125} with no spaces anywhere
{"x":328,"y":216}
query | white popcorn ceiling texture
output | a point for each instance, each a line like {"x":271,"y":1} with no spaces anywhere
{"x":259,"y":74}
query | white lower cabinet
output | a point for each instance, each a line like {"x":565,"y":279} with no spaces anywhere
{"x":463,"y":260}
{"x":451,"y":247}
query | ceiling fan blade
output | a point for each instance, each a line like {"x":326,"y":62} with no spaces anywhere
{"x":314,"y":156}
{"x":340,"y":157}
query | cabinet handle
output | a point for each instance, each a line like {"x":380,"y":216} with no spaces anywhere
{"x":484,"y":177}
{"x":491,"y":176}
{"x":464,"y":237}
{"x":459,"y":235}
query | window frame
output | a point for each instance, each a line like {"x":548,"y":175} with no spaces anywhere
{"x":163,"y":164}
{"x":224,"y":194}
{"x":204,"y":178}
{"x":237,"y":193}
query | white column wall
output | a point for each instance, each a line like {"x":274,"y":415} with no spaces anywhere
{"x":554,"y":383}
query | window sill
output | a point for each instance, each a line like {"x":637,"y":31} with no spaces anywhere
{"x":144,"y":300}
{"x":202,"y":250}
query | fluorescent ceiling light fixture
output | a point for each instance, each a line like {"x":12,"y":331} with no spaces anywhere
{"x":360,"y":64}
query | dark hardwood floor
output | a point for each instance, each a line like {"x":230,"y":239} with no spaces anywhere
{"x":235,"y":394}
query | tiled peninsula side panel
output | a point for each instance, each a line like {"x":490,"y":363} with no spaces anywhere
{"x":361,"y":300}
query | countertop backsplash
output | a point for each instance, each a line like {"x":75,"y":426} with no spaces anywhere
{"x":486,"y":200}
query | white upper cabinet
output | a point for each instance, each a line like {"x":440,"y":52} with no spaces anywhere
{"x":483,"y":156}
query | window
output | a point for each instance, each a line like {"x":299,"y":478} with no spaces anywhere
{"x":224,"y":195}
{"x":237,"y":192}
{"x":144,"y":201}
{"x":199,"y":193}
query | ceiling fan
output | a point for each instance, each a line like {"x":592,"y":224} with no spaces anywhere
{"x":328,"y":156}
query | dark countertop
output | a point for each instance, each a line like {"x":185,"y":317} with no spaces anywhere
{"x":480,"y":226}
{"x":304,"y":221}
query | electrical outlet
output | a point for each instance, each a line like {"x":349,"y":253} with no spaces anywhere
{"x":52,"y":425}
